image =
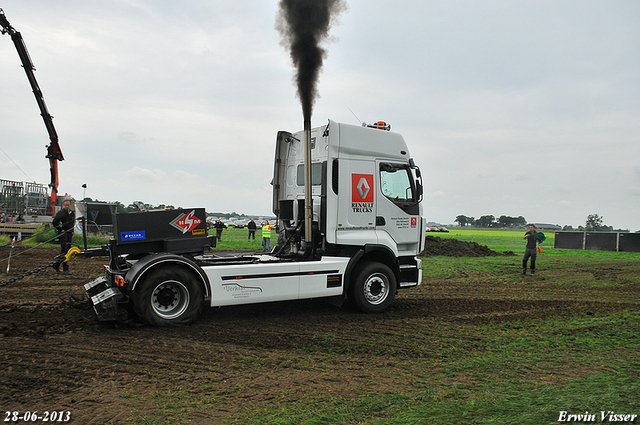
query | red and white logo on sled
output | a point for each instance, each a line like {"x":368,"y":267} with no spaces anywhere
{"x":186,"y":222}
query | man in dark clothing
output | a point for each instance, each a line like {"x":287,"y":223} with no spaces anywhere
{"x":530,"y":250}
{"x":220,"y":226}
{"x":64,"y":222}
{"x":252,"y":229}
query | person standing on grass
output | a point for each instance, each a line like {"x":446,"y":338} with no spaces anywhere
{"x":266,"y":236}
{"x":220,"y":226}
{"x":252,"y":229}
{"x":530,"y":250}
{"x":64,"y":222}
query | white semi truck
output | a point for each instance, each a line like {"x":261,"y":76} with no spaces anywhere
{"x":367,"y":229}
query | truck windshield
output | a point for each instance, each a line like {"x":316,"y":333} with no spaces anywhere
{"x":396,"y":182}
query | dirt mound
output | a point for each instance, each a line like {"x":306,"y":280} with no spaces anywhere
{"x":435,"y":245}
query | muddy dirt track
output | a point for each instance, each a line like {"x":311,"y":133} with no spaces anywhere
{"x":54,"y":355}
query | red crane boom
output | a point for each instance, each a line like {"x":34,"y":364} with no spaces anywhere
{"x":54,"y":154}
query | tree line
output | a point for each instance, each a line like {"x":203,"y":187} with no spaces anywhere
{"x":594,"y":222}
{"x":491,"y":221}
{"x":133,"y":207}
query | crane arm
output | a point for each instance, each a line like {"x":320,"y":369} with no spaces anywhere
{"x":54,"y":153}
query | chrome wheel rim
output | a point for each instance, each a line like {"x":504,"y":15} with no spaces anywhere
{"x":170,"y":299}
{"x":376,"y":288}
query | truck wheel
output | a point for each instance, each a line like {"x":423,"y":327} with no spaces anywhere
{"x":168,"y":297}
{"x":374,"y":287}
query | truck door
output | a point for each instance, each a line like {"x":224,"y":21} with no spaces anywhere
{"x":356,"y":202}
{"x":398,"y":209}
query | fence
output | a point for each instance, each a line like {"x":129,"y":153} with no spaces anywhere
{"x":18,"y":230}
{"x":30,"y":199}
{"x":603,"y":241}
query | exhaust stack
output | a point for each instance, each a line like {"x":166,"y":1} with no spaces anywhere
{"x":308,"y":203}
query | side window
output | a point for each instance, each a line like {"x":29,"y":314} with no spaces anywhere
{"x":316,"y":174}
{"x":395,"y":182}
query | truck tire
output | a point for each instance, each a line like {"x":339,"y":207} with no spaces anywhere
{"x":374,"y":287}
{"x":168,"y":296}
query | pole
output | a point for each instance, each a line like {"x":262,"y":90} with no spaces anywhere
{"x":13,"y":241}
{"x":84,"y":216}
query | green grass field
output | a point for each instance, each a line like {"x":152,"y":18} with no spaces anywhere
{"x":479,"y":344}
{"x":567,"y":340}
{"x":497,"y":240}
{"x":476,"y":343}
{"x":237,"y":239}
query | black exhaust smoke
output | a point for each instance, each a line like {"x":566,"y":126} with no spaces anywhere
{"x":303,"y":25}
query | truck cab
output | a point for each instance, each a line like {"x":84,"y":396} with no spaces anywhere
{"x":367,"y":193}
{"x":367,"y":230}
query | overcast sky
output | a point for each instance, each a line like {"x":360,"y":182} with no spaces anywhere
{"x":509,"y":107}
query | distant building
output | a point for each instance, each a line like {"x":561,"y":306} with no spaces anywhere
{"x":545,"y":226}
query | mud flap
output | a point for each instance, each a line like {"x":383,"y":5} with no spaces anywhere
{"x":105,"y":300}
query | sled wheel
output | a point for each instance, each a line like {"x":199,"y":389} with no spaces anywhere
{"x":374,"y":287}
{"x":168,"y":297}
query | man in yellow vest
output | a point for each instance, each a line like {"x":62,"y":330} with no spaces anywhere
{"x":266,"y":236}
